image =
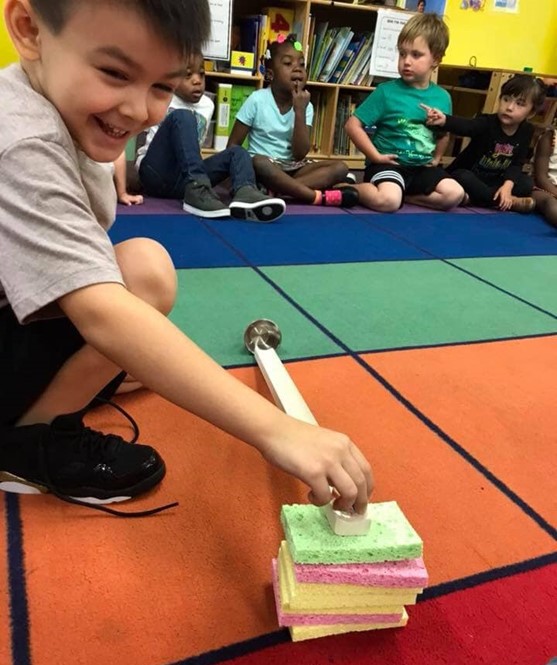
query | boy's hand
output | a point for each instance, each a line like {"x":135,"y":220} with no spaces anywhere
{"x":504,"y":196}
{"x":130,"y":199}
{"x":322,"y":458}
{"x":435,"y":117}
{"x":386,"y":159}
{"x":300,"y":97}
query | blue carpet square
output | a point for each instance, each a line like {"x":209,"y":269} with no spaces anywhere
{"x":448,"y":235}
{"x":187,"y":240}
{"x":311,"y":239}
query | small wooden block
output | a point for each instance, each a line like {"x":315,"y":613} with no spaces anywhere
{"x":344,"y":524}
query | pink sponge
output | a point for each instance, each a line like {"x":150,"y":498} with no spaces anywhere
{"x":391,"y":574}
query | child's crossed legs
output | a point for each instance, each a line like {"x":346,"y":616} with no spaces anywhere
{"x":385,"y":187}
{"x":303,"y":182}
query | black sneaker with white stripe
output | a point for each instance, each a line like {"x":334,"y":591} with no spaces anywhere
{"x":77,"y":464}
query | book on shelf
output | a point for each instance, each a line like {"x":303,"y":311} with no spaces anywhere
{"x":346,"y":58}
{"x":317,"y":49}
{"x":340,"y":44}
{"x":229,"y":100}
{"x":238,"y":96}
{"x":222,"y":118}
{"x":327,"y":46}
{"x":280,"y":22}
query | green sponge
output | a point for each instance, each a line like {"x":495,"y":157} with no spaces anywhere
{"x":311,"y":540}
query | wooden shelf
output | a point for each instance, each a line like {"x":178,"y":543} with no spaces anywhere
{"x":343,"y":86}
{"x":458,"y":88}
{"x":349,"y":5}
{"x":235,"y":77}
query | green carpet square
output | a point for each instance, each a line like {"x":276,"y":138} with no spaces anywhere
{"x":530,"y":277}
{"x":406,"y":303}
{"x":214,"y":307}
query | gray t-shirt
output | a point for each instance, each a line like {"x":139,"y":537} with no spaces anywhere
{"x":56,"y":206}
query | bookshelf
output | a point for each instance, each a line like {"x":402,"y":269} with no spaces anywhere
{"x":473,"y":90}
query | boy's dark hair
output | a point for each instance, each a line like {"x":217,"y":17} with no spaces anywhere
{"x":185,"y":24}
{"x":526,"y":87}
{"x":429,"y":26}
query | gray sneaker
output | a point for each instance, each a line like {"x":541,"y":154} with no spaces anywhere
{"x":249,"y":203}
{"x":199,"y":199}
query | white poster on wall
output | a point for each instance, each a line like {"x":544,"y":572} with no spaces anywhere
{"x":217,"y":46}
{"x":384,"y":52}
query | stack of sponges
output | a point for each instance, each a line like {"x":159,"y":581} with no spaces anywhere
{"x":327,"y":584}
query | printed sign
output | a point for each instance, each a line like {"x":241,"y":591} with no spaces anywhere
{"x":217,"y":46}
{"x":384,"y":52}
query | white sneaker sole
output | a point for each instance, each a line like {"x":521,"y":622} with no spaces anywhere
{"x":209,"y":214}
{"x":262,"y":211}
{"x":15,"y":485}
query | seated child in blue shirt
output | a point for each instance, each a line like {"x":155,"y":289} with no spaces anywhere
{"x":277,"y":120}
{"x":403,"y":156}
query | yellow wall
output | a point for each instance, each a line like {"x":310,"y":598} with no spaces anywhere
{"x":7,"y":51}
{"x":502,"y":40}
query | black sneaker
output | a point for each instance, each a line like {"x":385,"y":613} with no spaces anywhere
{"x":251,"y":204}
{"x":77,"y":464}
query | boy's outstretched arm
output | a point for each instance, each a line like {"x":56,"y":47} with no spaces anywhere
{"x":161,"y":357}
{"x":359,"y":137}
{"x":238,"y":134}
{"x":544,"y":149}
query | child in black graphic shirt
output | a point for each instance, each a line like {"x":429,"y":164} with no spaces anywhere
{"x":490,"y":167}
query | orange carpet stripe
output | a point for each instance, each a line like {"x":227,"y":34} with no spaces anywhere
{"x":497,"y":400}
{"x":156,"y":590}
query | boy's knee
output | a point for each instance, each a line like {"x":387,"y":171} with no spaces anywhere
{"x":388,"y":202}
{"x":452,"y":193}
{"x":148,"y":272}
{"x":380,"y":199}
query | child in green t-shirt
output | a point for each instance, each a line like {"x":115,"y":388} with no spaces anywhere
{"x":403,"y":155}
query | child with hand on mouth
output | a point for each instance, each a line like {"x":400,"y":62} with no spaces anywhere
{"x":277,"y":121}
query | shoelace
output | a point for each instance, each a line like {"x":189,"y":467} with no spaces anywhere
{"x":115,"y":443}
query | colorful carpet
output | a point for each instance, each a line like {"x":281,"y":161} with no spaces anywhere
{"x":432,"y":340}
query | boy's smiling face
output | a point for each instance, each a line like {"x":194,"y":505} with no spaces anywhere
{"x":107,"y":72}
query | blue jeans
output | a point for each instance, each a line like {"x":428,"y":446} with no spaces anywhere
{"x":173,"y":159}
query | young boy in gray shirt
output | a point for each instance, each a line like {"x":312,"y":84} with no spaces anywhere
{"x":76,"y":311}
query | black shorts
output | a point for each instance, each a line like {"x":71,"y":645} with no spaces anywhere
{"x":30,"y":358}
{"x":411,"y":179}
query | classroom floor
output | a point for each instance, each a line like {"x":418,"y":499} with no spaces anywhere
{"x":432,"y":340}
